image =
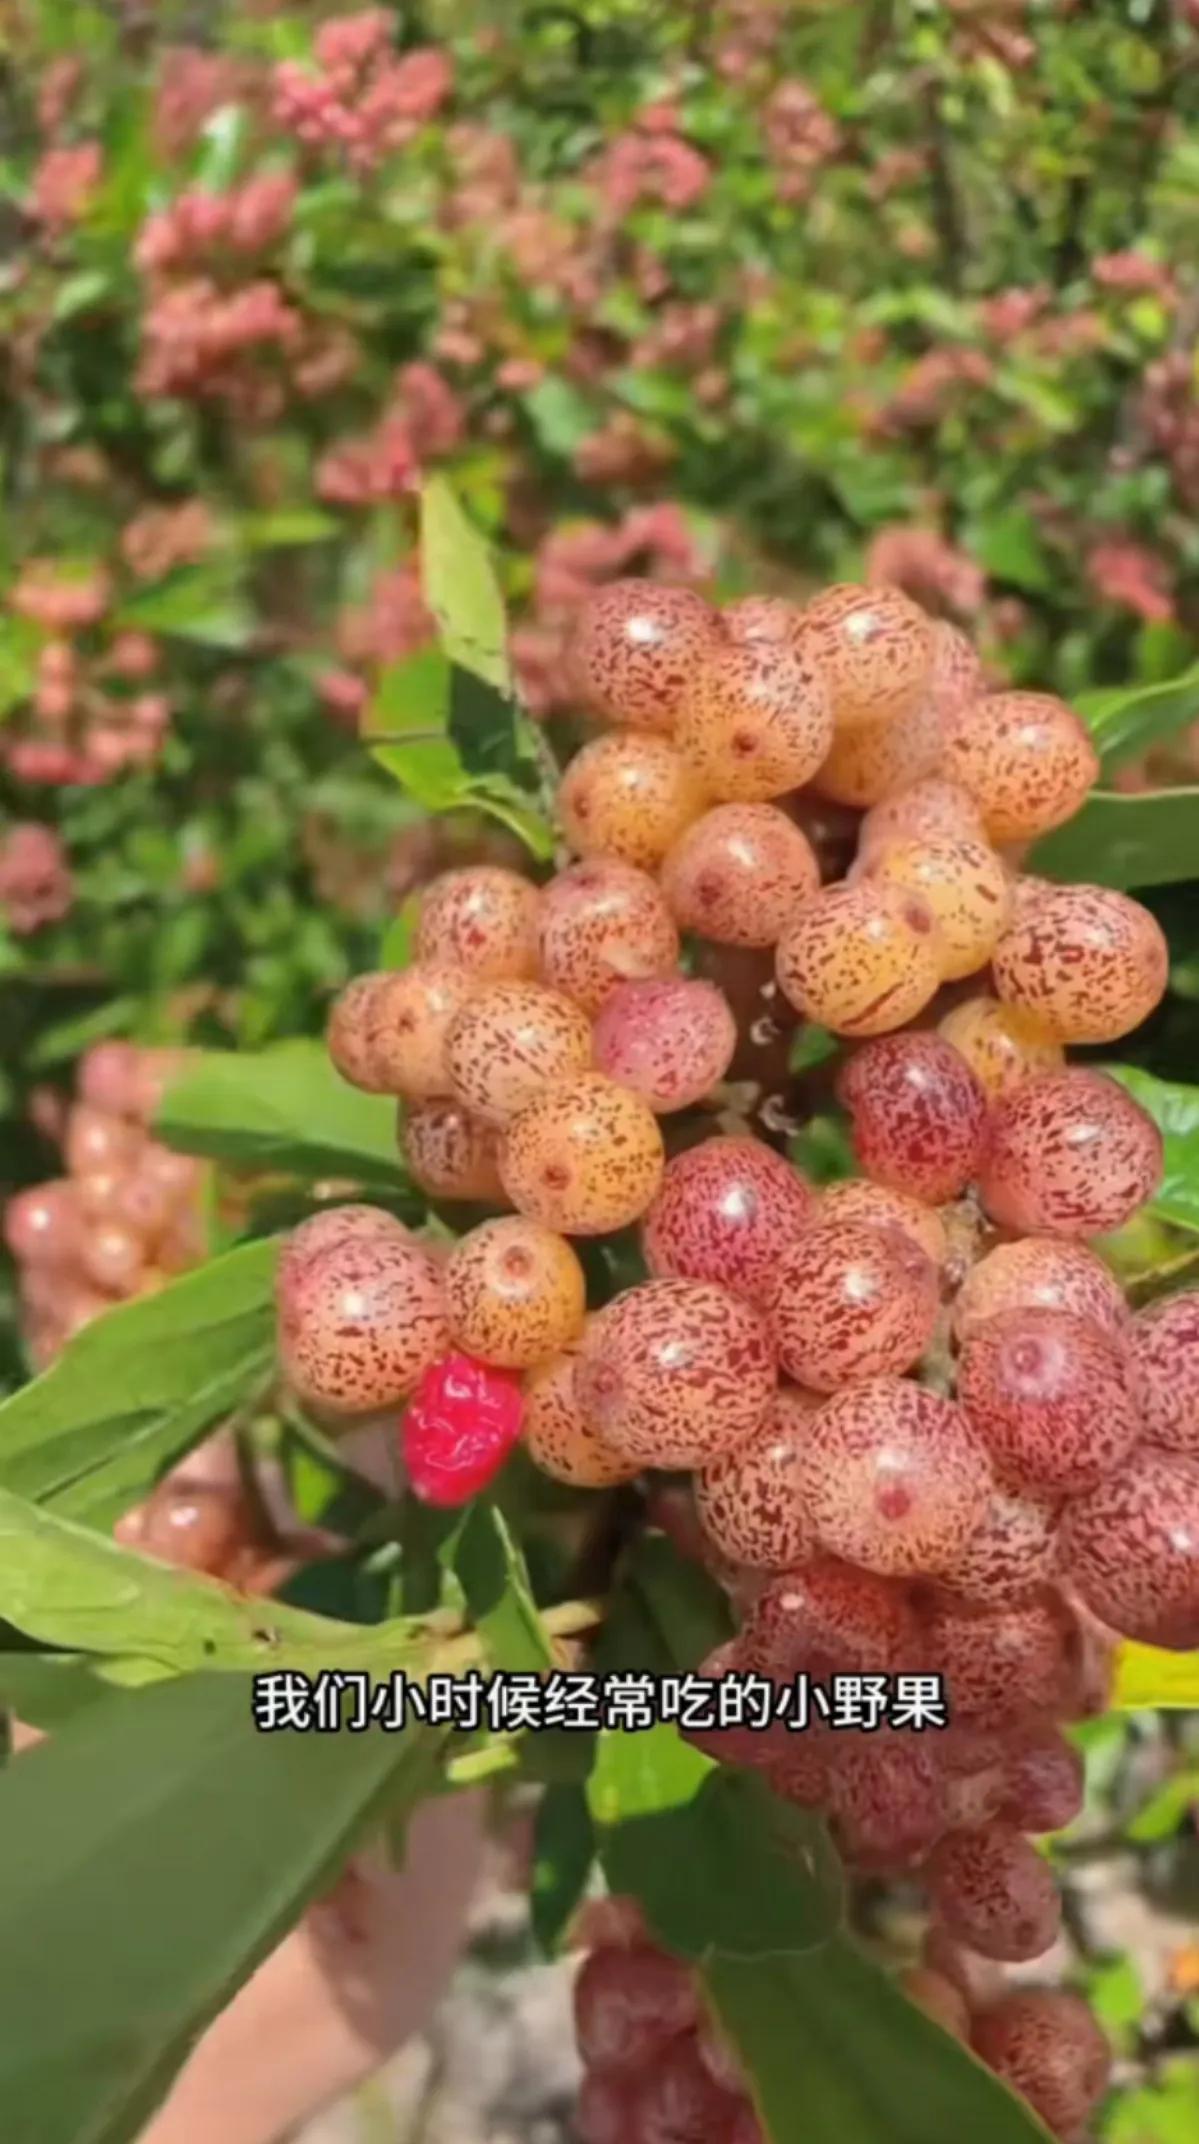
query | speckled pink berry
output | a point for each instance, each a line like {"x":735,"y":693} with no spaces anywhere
{"x":676,"y":1372}
{"x":749,"y":1502}
{"x":1026,"y":758}
{"x":895,"y":1478}
{"x":634,"y":648}
{"x":1053,"y":1397}
{"x":1086,"y":962}
{"x":387,"y":1031}
{"x":849,"y":1302}
{"x":1046,"y":2045}
{"x":829,"y":1618}
{"x":755,"y":721}
{"x":360,"y":1322}
{"x":482,"y":918}
{"x":725,"y":1212}
{"x":1002,"y":1663}
{"x":875,"y":646}
{"x":1068,"y":1154}
{"x":738,"y":874}
{"x":855,"y":1198}
{"x":1165,"y":1353}
{"x":585,"y":1158}
{"x":931,"y":809}
{"x":510,"y":1043}
{"x":669,"y":1039}
{"x":1012,"y":1554}
{"x":1042,"y":1273}
{"x":918,"y":1115}
{"x":1131,"y":1547}
{"x":452,"y":1154}
{"x":600,"y":924}
{"x":993,"y":1892}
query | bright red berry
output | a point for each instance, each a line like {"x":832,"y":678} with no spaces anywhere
{"x":459,"y":1428}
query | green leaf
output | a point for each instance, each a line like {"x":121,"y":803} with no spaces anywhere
{"x":492,"y":1572}
{"x":563,"y":1853}
{"x":138,"y":1388}
{"x":1009,"y":545}
{"x":1147,"y":840}
{"x":460,"y":587}
{"x":282,"y":1108}
{"x":1166,"y":1811}
{"x":395,"y":946}
{"x":561,"y":416}
{"x":716,"y":1860}
{"x":1126,"y":721}
{"x":1165,"y":2112}
{"x":1174,"y":1108}
{"x":287,"y":530}
{"x":200,"y":603}
{"x":47,"y":1689}
{"x":833,"y":2049}
{"x":151,"y":1855}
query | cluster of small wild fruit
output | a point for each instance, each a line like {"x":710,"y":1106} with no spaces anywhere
{"x":657,"y":2070}
{"x":925,"y":1430}
{"x":121,"y":1220}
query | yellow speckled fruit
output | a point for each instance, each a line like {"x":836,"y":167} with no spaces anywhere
{"x":585,"y":1158}
{"x":738,"y":873}
{"x":511,"y":1042}
{"x":755,"y":722}
{"x":451,"y":1154}
{"x":875,"y":646}
{"x":387,"y":1031}
{"x":482,"y":918}
{"x":628,"y":795}
{"x":966,"y":886}
{"x":1001,"y":1044}
{"x":1026,"y":758}
{"x":869,"y":763}
{"x":514,"y":1292}
{"x":855,"y":1198}
{"x":1087,"y":962}
{"x":932,"y":809}
{"x":558,"y":1438}
{"x":861,"y":959}
{"x":602,"y":923}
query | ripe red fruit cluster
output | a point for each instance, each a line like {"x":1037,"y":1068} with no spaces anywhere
{"x":926,"y":1433}
{"x":656,"y":2069}
{"x":122,"y":1219}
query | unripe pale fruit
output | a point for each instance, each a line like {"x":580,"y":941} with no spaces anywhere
{"x":965,"y":885}
{"x":41,"y":1225}
{"x":600,"y":924}
{"x":1131,"y":1547}
{"x":1012,"y":1554}
{"x":875,"y":646}
{"x":867,"y":765}
{"x":676,"y":1372}
{"x":585,"y":1158}
{"x":360,"y":1323}
{"x":860,"y":959}
{"x":755,"y":722}
{"x":514,"y":1292}
{"x":749,"y":1502}
{"x":635,"y":648}
{"x":1165,"y":1352}
{"x":1084,"y":961}
{"x":510,"y":1043}
{"x":855,"y":1198}
{"x":1001,"y":1044}
{"x":1045,"y":2044}
{"x":931,"y":809}
{"x":95,"y":1140}
{"x":669,"y":1039}
{"x":725,"y":1212}
{"x":995,"y":1893}
{"x":738,"y":874}
{"x":197,"y":1526}
{"x":112,"y":1256}
{"x":387,"y":1031}
{"x":558,"y":1437}
{"x":1052,"y":1395}
{"x":1026,"y":758}
{"x":848,"y":1302}
{"x":482,"y":918}
{"x":895,"y":1478}
{"x":452,"y":1154}
{"x":1046,"y":1273}
{"x":1068,"y":1154}
{"x":1001,"y":1665}
{"x":628,"y":796}
{"x":918,"y":1115}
